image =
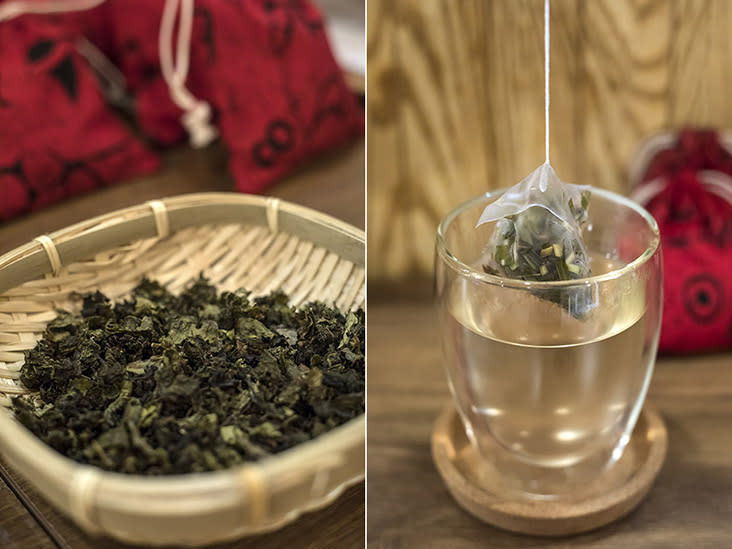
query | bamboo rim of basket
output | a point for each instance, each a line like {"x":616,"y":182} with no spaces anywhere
{"x":157,"y":220}
{"x":306,"y":459}
{"x":83,"y":239}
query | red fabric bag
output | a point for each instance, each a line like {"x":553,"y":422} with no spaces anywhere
{"x":262,"y":69}
{"x":685,"y":184}
{"x":57,"y":134}
{"x":127,"y":32}
{"x":264,"y":66}
{"x":280,"y":94}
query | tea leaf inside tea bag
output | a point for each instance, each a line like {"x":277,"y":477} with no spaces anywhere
{"x":538,"y":237}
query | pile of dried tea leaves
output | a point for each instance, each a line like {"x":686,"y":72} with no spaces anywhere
{"x":165,"y":384}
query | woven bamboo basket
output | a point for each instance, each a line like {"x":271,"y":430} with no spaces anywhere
{"x":237,"y":241}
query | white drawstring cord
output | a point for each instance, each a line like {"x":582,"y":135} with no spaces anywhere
{"x":718,"y":183}
{"x":10,"y":10}
{"x":197,"y":113}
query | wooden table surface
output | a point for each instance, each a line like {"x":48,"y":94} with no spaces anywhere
{"x":334,"y":185}
{"x":690,"y":504}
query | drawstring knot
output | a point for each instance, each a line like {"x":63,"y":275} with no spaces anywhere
{"x":196,"y":117}
{"x":196,"y":121}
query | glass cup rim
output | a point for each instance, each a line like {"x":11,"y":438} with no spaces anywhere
{"x":480,"y":276}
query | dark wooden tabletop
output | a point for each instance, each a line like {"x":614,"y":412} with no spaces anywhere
{"x":690,"y":505}
{"x":334,"y":185}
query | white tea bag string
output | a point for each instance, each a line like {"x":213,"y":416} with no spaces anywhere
{"x":544,"y":178}
{"x":546,"y":80}
{"x":537,"y":235}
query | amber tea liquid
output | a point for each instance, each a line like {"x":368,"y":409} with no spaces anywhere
{"x":550,"y":393}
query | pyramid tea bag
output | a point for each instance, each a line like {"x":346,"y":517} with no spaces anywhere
{"x":538,"y":231}
{"x":538,"y":235}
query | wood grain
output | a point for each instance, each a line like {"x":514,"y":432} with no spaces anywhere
{"x":623,"y":91}
{"x":455,"y":102}
{"x":699,"y":64}
{"x":408,"y":505}
{"x":425,"y":123}
{"x":514,"y":90}
{"x":18,"y":528}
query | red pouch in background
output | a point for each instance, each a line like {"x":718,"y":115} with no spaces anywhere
{"x":281,"y":96}
{"x":127,"y":32}
{"x":264,"y":66}
{"x":684,"y":182}
{"x":57,"y":135}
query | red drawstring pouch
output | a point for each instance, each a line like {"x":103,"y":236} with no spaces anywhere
{"x":58,"y":137}
{"x":261,"y":72}
{"x":264,"y":67}
{"x":127,"y":32}
{"x":280,"y":94}
{"x":685,"y":182}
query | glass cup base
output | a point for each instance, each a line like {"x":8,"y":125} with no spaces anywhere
{"x":523,"y":480}
{"x":480,"y":489}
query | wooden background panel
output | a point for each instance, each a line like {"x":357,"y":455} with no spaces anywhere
{"x":514,"y":91}
{"x":623,"y":83}
{"x":425,"y":122}
{"x":455,"y":100}
{"x":700,"y":63}
{"x":454,"y":110}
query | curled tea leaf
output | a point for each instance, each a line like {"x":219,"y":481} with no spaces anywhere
{"x":162,"y":384}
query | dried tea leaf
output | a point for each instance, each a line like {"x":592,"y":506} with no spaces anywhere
{"x":162,"y":384}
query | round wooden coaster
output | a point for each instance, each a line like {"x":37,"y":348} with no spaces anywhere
{"x":460,"y":467}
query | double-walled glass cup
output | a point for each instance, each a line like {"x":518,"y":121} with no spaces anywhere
{"x":549,"y":378}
